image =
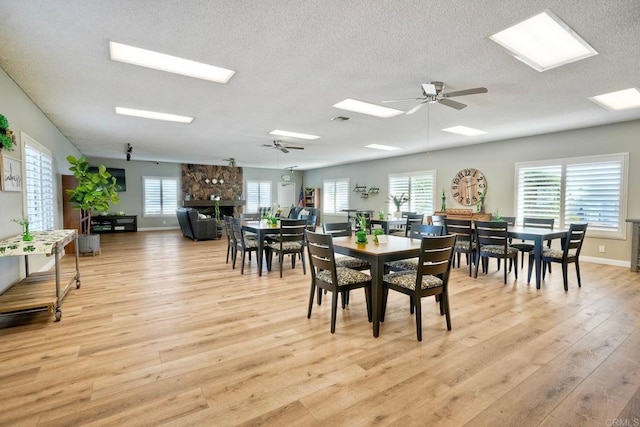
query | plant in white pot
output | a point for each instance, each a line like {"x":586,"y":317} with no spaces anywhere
{"x":94,"y":193}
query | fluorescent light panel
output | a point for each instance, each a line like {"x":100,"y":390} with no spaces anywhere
{"x":367,"y":108}
{"x":544,"y":42}
{"x":620,"y":100}
{"x":293,"y":134}
{"x":464,"y":130}
{"x":171,"y":64}
{"x":382,"y":147}
{"x":153,"y":115}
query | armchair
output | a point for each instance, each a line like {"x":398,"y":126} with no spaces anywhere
{"x":195,"y":228}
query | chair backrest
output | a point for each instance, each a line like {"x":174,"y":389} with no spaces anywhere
{"x":574,"y":239}
{"x":321,"y":255}
{"x":538,"y":222}
{"x":337,"y":228}
{"x":413,"y":218}
{"x":462,"y":228}
{"x":292,"y":230}
{"x":438,"y":219}
{"x":311,"y":221}
{"x":511,"y":220}
{"x":436,"y":254}
{"x":405,"y":213}
{"x":494,"y":233}
{"x":228,"y":225}
{"x":238,"y":234}
{"x":418,"y":231}
{"x":250,"y":216}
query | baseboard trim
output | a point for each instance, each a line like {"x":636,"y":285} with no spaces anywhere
{"x":607,"y":261}
{"x":177,"y":227}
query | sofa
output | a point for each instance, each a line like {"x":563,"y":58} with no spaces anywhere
{"x":194,"y":227}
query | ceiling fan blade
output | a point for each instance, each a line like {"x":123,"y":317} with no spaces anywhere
{"x":453,"y":104}
{"x":294,"y":148}
{"x":402,"y":99}
{"x":416,"y":108}
{"x":283,"y":149}
{"x":466,"y":92}
{"x":268,"y":145}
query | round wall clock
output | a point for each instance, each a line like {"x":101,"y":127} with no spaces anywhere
{"x":468,"y":186}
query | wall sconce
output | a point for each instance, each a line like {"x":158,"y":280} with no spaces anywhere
{"x":129,"y":150}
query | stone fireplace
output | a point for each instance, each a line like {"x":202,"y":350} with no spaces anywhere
{"x":201,"y":182}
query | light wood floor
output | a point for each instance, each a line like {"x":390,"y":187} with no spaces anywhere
{"x":163,"y":332}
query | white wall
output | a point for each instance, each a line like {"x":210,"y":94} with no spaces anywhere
{"x":497,"y":161}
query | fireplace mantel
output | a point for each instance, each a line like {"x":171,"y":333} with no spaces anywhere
{"x":210,"y":203}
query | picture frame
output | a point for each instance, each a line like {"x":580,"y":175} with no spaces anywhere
{"x":10,"y":174}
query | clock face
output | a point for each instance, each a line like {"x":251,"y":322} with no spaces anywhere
{"x":468,"y":185}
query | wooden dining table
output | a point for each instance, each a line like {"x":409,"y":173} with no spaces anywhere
{"x":538,"y":236}
{"x":261,"y":229}
{"x":377,"y":254}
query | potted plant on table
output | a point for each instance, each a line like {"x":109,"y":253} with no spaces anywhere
{"x":398,"y":201}
{"x":361,"y":234}
{"x":94,"y":193}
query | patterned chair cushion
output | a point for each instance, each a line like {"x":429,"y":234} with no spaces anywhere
{"x":498,"y":250}
{"x":351,"y":262}
{"x":250,"y":243}
{"x":557,"y":254}
{"x":525,"y":247}
{"x":346,"y":276}
{"x":464,"y":245}
{"x":407,"y":279}
{"x":404,"y":264}
{"x":286,"y":246}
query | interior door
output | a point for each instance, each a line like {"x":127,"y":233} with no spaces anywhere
{"x":286,"y":194}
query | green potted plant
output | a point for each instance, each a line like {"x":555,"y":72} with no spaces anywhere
{"x":6,"y":136}
{"x":94,"y":193}
{"x":361,"y":234}
{"x":398,"y":201}
{"x":377,"y":232}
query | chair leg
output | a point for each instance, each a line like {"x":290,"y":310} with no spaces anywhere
{"x":530,"y":268}
{"x":578,"y":273}
{"x":447,"y":311}
{"x":565,"y":279}
{"x":319,"y":296}
{"x":385,"y":296}
{"x":344,"y":299}
{"x":334,"y":309}
{"x":411,"y":307}
{"x":281,"y":258}
{"x":228,"y":252}
{"x":505,"y":275}
{"x":304,"y":265}
{"x":367,"y":297}
{"x":311,"y":295}
{"x":242,"y":266}
{"x":418,"y":305}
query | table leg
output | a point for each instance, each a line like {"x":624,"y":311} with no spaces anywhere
{"x":377,"y":271}
{"x":537,"y":254}
{"x":260,"y":234}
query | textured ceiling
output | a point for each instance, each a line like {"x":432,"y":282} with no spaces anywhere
{"x":294,"y":59}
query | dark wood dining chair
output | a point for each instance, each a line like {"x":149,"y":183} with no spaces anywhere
{"x":570,"y":253}
{"x":411,"y":218}
{"x":437,"y":220}
{"x":528,"y":246}
{"x":430,"y":278}
{"x":242,"y":243}
{"x":465,"y":241}
{"x":325,"y":274}
{"x":492,"y":241}
{"x":418,"y":231}
{"x":231,"y":249}
{"x":290,"y":241}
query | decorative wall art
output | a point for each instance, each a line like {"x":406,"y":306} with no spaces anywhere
{"x":11,"y":174}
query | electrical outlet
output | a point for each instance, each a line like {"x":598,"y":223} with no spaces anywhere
{"x":601,"y":249}
{"x":164,"y":222}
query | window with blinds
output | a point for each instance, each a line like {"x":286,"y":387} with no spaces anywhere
{"x":335,"y":195}
{"x":585,"y":189}
{"x":258,"y":195}
{"x":38,"y":164}
{"x":419,"y":187}
{"x":160,"y":196}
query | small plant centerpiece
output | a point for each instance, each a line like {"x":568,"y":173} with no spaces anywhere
{"x":377,"y":232}
{"x":480,"y":203}
{"x":26,"y":235}
{"x":381,"y":215}
{"x":7,"y":140}
{"x":496,"y":216}
{"x":398,"y":201}
{"x":443,"y":206}
{"x":361,"y":234}
{"x":95,"y":192}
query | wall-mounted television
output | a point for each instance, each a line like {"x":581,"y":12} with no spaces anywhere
{"x":118,"y":174}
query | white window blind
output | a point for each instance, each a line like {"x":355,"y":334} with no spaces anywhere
{"x":586,"y":189}
{"x":419,"y":187}
{"x":335,"y":196}
{"x":258,"y":195}
{"x":160,"y":195}
{"x":38,"y":164}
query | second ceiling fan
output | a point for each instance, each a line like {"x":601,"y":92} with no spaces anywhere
{"x":434,"y":92}
{"x":279,"y":145}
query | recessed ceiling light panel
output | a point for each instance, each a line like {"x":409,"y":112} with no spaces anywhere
{"x":382,"y":147}
{"x":278,"y":132}
{"x":367,"y":108}
{"x":464,"y":130}
{"x":153,"y":115}
{"x":620,"y":100}
{"x":544,"y":42}
{"x":171,"y":64}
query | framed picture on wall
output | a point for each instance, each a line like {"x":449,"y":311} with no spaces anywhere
{"x":11,"y":174}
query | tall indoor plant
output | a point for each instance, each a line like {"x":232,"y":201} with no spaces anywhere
{"x":94,"y":193}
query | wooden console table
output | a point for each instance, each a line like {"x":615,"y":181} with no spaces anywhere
{"x":465,"y":214}
{"x":113,"y":223}
{"x":40,"y":291}
{"x":635,"y":244}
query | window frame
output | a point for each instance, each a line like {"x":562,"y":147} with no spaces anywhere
{"x":260,"y":182}
{"x":335,"y":210}
{"x":144,"y":197}
{"x":411,"y":175}
{"x":48,"y":218}
{"x":563,"y":163}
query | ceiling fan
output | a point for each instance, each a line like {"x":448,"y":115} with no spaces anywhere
{"x":433,"y":92}
{"x":278,"y":145}
{"x":232,"y":162}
